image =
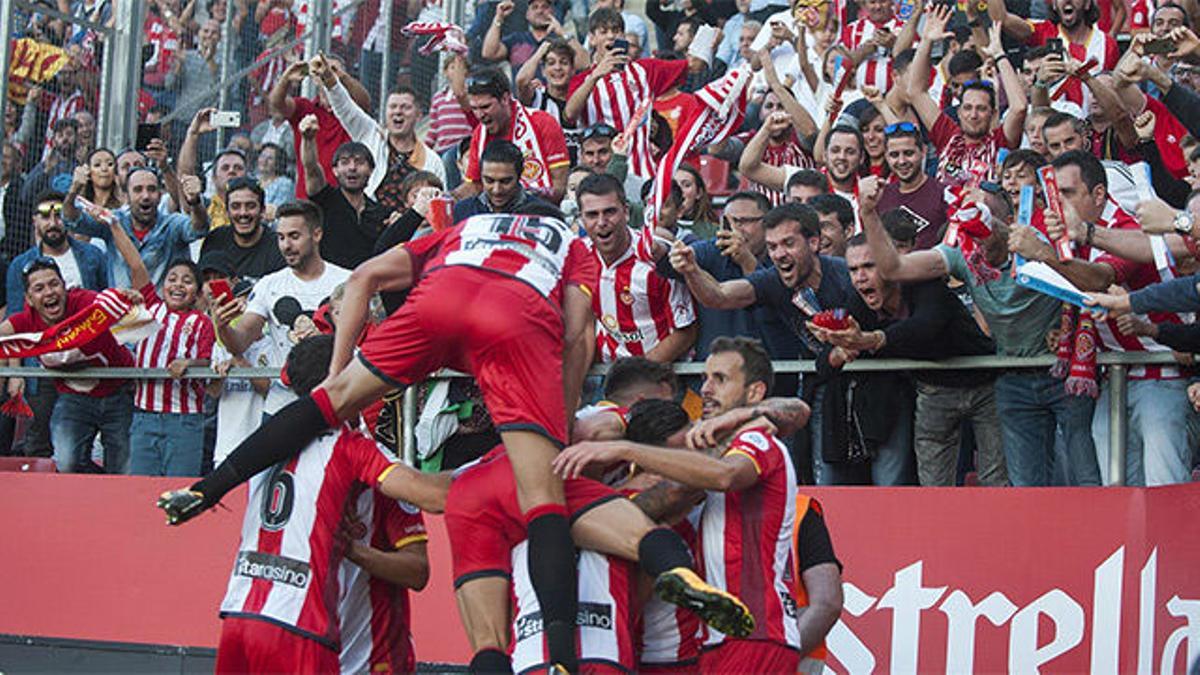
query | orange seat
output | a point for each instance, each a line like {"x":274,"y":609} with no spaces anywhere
{"x":716,"y":175}
{"x":29,"y":464}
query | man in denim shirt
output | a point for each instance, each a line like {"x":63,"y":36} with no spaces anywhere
{"x":160,"y":237}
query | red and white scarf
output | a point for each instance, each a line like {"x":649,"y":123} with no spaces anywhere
{"x":722,"y":113}
{"x":109,"y":311}
{"x":536,"y":173}
{"x":967,"y":225}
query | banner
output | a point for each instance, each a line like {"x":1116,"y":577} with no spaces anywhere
{"x":1101,"y":580}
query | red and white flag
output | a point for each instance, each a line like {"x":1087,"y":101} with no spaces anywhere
{"x":722,"y":113}
{"x":444,"y":36}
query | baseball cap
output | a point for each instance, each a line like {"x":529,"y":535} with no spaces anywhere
{"x":217,"y":261}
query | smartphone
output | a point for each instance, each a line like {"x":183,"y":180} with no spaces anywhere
{"x":226,"y":118}
{"x":1055,"y":45}
{"x":1159,"y":46}
{"x":147,"y":132}
{"x":620,"y":44}
{"x":220,"y":290}
{"x":243,"y":288}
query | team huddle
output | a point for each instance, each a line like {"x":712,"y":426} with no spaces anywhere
{"x":695,"y":551}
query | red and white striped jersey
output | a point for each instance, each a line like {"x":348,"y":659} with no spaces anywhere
{"x":671,"y":635}
{"x":605,"y":618}
{"x":1099,"y":46}
{"x":1133,"y":276}
{"x":617,"y":96}
{"x":286,"y":571}
{"x":635,"y":307}
{"x":746,"y":539}
{"x":542,"y":252}
{"x":181,"y":335}
{"x":876,"y":69}
{"x":376,"y":628}
{"x":789,"y":154}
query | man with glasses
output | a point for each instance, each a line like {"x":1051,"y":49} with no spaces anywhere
{"x":85,"y":407}
{"x":968,"y":149}
{"x":538,"y":135}
{"x":739,"y":248}
{"x":82,"y":266}
{"x":913,"y":190}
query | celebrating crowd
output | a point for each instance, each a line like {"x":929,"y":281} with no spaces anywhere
{"x":837,"y":181}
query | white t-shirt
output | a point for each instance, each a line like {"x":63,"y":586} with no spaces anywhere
{"x":239,"y":409}
{"x":264,"y":300}
{"x":69,"y":268}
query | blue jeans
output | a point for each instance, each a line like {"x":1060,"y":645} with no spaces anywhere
{"x":1157,"y":451}
{"x":1031,"y":405}
{"x":166,"y":444}
{"x":76,"y":420}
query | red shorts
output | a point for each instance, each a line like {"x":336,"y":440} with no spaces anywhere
{"x":484,"y":520}
{"x":500,"y":330}
{"x":670,"y":669}
{"x":253,"y":646}
{"x":750,"y":656}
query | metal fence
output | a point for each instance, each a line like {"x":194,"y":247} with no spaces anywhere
{"x":1116,"y":366}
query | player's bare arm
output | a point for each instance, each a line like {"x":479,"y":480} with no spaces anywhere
{"x":667,"y":501}
{"x":823,"y":583}
{"x":727,"y":474}
{"x":786,"y":415}
{"x":391,"y":270}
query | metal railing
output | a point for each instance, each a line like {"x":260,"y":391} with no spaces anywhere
{"x":1117,"y":368}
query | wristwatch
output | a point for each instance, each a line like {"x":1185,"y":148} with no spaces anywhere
{"x":1183,"y":222}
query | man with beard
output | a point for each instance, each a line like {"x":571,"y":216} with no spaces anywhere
{"x":502,"y":191}
{"x":160,"y":237}
{"x":59,"y":161}
{"x":538,"y":135}
{"x":82,"y":266}
{"x":913,"y":189}
{"x":84,"y":407}
{"x":1073,"y":22}
{"x":774,"y":145}
{"x":353,"y":219}
{"x":229,"y":163}
{"x":925,"y":320}
{"x":837,"y":223}
{"x":520,"y":46}
{"x":395,"y":147}
{"x":247,"y":242}
{"x":968,"y":148}
{"x":303,"y":285}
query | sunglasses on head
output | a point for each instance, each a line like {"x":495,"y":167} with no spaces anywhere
{"x":900,"y":127}
{"x":979,"y":83}
{"x":49,"y":209}
{"x":599,"y":130}
{"x":40,"y":262}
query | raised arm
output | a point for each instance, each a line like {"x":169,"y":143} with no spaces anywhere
{"x":752,"y":165}
{"x":390,"y":271}
{"x":1014,"y":90}
{"x":1087,"y":276}
{"x":493,"y":48}
{"x":314,"y":176}
{"x":201,"y":124}
{"x":606,"y":63}
{"x":139,"y":276}
{"x":708,"y":291}
{"x":800,"y":117}
{"x":1014,"y":25}
{"x":527,"y":75}
{"x":279,"y":99}
{"x":918,"y":71}
{"x":358,"y":124}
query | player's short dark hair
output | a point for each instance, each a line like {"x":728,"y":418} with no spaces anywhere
{"x":629,"y":371}
{"x":756,"y":363}
{"x":809,"y":178}
{"x":606,"y":17}
{"x":307,"y":364}
{"x":810,"y":225}
{"x":353,"y":149}
{"x":903,"y":59}
{"x":859,"y":239}
{"x":965,"y":61}
{"x":835,"y":204}
{"x":653,"y":421}
{"x":600,"y":184}
{"x":537,"y":207}
{"x":760,"y":200}
{"x":1032,"y":158}
{"x":310,"y":212}
{"x":501,"y":151}
{"x":1090,"y":168}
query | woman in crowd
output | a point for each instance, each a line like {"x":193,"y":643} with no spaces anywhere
{"x":277,"y":186}
{"x":697,"y":216}
{"x":101,"y":188}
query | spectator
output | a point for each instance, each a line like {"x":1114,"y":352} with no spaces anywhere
{"x":80,"y":265}
{"x":872,"y":40}
{"x":296,"y":108}
{"x":645,"y":316}
{"x":247,"y":244}
{"x":269,"y":167}
{"x":519,"y":47}
{"x":448,"y":120}
{"x":195,"y":73}
{"x":15,"y":232}
{"x":283,"y":301}
{"x":167,"y":432}
{"x":595,"y":147}
{"x":500,"y":170}
{"x":805,"y":184}
{"x":84,"y":407}
{"x":927,"y":321}
{"x":775,"y":144}
{"x":85,"y":135}
{"x":836,"y":216}
{"x":913,"y":190}
{"x":1018,"y":170}
{"x":544,"y":80}
{"x":128,"y":160}
{"x":274,"y":130}
{"x":537,"y":134}
{"x":634,"y":23}
{"x":728,"y":51}
{"x":738,"y":249}
{"x":395,"y":149}
{"x":160,"y":237}
{"x":230,"y":163}
{"x":56,"y":167}
{"x":696,"y":216}
{"x":100,"y":183}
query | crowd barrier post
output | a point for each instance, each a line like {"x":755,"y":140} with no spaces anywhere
{"x":408,"y":426}
{"x":1117,"y":422}
{"x":121,"y":74}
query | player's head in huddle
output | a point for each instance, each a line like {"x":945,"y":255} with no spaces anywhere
{"x":308,"y":363}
